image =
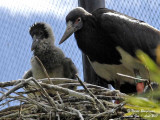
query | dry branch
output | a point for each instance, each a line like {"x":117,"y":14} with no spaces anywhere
{"x":66,"y":105}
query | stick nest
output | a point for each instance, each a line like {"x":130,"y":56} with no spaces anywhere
{"x":59,"y":99}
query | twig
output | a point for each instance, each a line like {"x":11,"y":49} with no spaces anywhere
{"x":143,"y":80}
{"x":40,"y":105}
{"x":109,"y":97}
{"x":14,"y":111}
{"x":69,"y":84}
{"x":15,"y":108}
{"x":78,"y":112}
{"x":43,"y":68}
{"x":20,"y":110}
{"x":73,"y":110}
{"x":54,"y":81}
{"x":60,"y":99}
{"x":9,"y":83}
{"x":45,"y":93}
{"x":67,"y":91}
{"x":91,"y":94}
{"x":20,"y":85}
{"x":57,"y":80}
{"x":109,"y":112}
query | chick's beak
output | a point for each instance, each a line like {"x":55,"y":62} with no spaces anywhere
{"x":34,"y":43}
{"x":69,"y":31}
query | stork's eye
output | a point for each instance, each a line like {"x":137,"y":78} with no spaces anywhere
{"x":78,"y":20}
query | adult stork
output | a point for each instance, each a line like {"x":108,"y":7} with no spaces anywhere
{"x":110,"y":40}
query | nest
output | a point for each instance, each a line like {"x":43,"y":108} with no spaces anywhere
{"x":70,"y":100}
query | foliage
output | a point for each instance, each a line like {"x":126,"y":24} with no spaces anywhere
{"x":146,"y":106}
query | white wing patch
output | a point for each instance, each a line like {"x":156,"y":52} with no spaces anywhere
{"x":109,"y":72}
{"x":128,"y":19}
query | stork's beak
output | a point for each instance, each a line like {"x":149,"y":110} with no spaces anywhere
{"x":34,"y":43}
{"x":69,"y":31}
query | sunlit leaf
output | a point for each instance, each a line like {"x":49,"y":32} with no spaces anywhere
{"x":141,"y":102}
{"x":147,"y":61}
{"x":129,"y":114}
{"x":143,"y":107}
{"x":154,"y":70}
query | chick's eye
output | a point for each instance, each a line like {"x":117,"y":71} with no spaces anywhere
{"x":40,"y":32}
{"x":79,"y":19}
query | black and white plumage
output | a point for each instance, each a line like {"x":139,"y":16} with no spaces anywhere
{"x":110,"y":40}
{"x":53,"y":59}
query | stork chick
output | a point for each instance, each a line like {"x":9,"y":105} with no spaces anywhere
{"x":53,"y":59}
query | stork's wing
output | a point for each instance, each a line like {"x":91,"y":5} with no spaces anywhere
{"x":127,"y":32}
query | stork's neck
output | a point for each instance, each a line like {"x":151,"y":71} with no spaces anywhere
{"x":85,"y":35}
{"x":94,"y":43}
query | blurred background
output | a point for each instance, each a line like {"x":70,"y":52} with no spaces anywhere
{"x":16,"y":17}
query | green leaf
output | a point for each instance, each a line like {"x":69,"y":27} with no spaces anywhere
{"x":154,"y":70}
{"x":142,"y":102}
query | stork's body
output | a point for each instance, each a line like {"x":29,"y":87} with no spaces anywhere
{"x":110,"y":40}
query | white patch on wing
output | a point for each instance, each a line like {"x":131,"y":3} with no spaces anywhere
{"x":109,"y":72}
{"x":128,"y":19}
{"x":132,"y":63}
{"x":121,"y":16}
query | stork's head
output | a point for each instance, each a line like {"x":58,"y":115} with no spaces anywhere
{"x":74,"y":22}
